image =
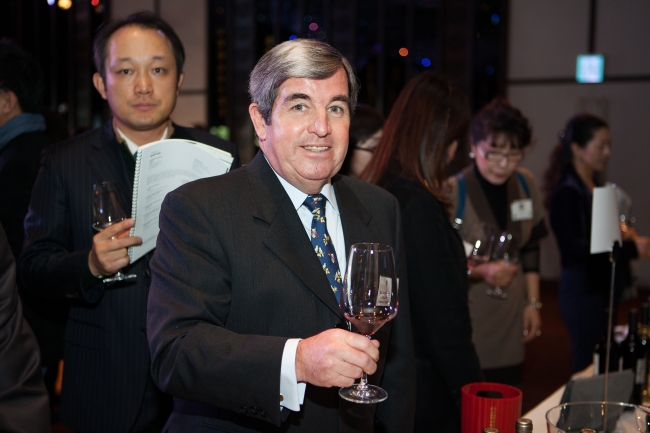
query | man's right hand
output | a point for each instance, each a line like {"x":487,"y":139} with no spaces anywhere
{"x":109,"y":253}
{"x":335,"y":358}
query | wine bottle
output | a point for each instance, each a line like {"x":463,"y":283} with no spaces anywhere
{"x":644,"y":340}
{"x":490,"y":430}
{"x":600,"y":352}
{"x":523,"y":425}
{"x":634,"y":355}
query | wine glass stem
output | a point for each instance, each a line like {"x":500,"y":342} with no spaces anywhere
{"x":363,"y":383}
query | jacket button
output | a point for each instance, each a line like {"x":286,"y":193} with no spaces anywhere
{"x":261,"y":413}
{"x":143,"y":331}
{"x":146,"y":273}
{"x":252,"y":410}
{"x":243,"y":410}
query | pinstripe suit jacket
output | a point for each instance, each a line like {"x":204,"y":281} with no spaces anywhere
{"x":234,"y":276}
{"x":106,"y":355}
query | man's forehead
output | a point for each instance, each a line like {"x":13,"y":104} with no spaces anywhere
{"x":132,"y":37}
{"x":331,"y":88}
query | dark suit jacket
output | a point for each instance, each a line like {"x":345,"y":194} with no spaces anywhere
{"x":442,"y":331}
{"x":106,"y":354}
{"x":234,"y":276}
{"x":24,"y":406}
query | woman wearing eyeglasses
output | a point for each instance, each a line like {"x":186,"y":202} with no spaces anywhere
{"x":496,"y":191}
{"x":426,"y":124}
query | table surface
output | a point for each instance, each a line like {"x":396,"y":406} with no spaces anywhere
{"x":538,"y":414}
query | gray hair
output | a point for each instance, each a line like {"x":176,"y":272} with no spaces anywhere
{"x":299,"y":58}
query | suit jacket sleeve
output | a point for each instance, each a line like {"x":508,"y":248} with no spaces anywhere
{"x":49,"y":266}
{"x":397,"y":413}
{"x":194,"y":356}
{"x":24,"y":405}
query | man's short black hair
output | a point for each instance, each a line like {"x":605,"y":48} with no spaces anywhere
{"x":146,"y":20}
{"x":21,"y":74}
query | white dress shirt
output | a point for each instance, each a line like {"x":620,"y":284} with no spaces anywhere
{"x":133,"y":148}
{"x":293,"y":393}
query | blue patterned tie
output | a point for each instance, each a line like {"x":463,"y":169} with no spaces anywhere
{"x":322,"y":242}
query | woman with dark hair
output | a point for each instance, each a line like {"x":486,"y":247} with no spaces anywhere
{"x":410,"y":162}
{"x":575,"y":164}
{"x":365,"y":132}
{"x":496,"y":191}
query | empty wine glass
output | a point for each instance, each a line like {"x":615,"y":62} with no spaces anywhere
{"x":368,"y":300}
{"x":506,"y":250}
{"x":106,"y":212}
{"x":481,"y":237}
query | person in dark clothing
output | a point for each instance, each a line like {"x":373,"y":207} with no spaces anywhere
{"x":410,"y":162}
{"x":23,"y":136}
{"x":24,"y":405}
{"x":365,"y":131}
{"x":107,"y":385}
{"x":575,"y":164}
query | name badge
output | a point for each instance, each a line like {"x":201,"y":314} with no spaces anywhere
{"x":521,"y":210}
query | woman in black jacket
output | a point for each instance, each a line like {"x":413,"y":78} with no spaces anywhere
{"x":410,"y":161}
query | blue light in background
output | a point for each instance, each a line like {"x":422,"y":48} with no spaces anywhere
{"x":489,"y":70}
{"x":495,"y":19}
{"x":292,"y":37}
{"x":50,"y":2}
{"x":376,"y":47}
{"x":426,"y":62}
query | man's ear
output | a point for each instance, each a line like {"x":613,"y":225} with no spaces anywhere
{"x":258,"y":121}
{"x":181,"y":77}
{"x":98,"y":82}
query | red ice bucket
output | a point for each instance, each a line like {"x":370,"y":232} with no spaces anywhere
{"x":486,"y":404}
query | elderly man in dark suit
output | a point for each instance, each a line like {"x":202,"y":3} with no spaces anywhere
{"x":242,"y":320}
{"x":107,"y":386}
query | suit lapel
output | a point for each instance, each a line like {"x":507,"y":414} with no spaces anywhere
{"x":107,"y":164}
{"x":286,"y":236}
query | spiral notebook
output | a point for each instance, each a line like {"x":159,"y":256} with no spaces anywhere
{"x":161,"y":167}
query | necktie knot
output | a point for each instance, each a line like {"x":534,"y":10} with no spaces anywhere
{"x":315,"y":201}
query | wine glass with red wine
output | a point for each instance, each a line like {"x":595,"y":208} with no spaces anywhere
{"x":368,"y":300}
{"x":107,"y":211}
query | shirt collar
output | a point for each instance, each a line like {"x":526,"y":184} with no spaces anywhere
{"x":298,"y":197}
{"x":133,"y":148}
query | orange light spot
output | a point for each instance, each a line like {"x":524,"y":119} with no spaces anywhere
{"x":403,"y":52}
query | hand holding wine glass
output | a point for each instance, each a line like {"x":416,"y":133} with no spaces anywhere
{"x":108,"y":254}
{"x":368,"y":301}
{"x":506,"y":251}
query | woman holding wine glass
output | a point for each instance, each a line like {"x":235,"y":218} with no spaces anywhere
{"x":578,"y":159}
{"x":504,"y":298}
{"x":410,"y":162}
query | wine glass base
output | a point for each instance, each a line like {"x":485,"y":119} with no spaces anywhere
{"x":368,"y":395}
{"x":119,"y":277}
{"x":496,"y":293}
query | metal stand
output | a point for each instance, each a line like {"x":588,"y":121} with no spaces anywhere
{"x":613,"y":257}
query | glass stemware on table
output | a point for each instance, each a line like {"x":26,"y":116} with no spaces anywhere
{"x":368,"y":301}
{"x":107,"y":211}
{"x":598,"y":416}
{"x":506,"y":250}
